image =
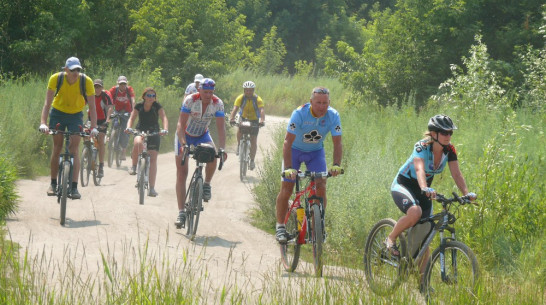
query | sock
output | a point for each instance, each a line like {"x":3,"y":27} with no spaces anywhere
{"x":74,"y":185}
{"x":279,"y":225}
{"x":54,"y":181}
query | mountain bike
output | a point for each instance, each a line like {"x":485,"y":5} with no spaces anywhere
{"x":143,"y":165}
{"x":246,"y":127}
{"x":304,"y":223}
{"x":66,"y":165}
{"x":114,"y":149}
{"x":203,"y":154}
{"x":89,"y":160}
{"x":451,"y":269}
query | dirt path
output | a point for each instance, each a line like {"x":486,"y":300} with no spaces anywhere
{"x":108,"y":218}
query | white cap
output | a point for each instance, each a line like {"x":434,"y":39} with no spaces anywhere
{"x":198,"y":78}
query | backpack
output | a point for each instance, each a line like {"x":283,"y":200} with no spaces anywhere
{"x":60,"y":80}
{"x":254,"y":103}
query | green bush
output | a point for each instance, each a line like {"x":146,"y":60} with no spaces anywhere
{"x":8,"y":195}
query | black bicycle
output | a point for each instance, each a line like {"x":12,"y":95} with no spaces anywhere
{"x":203,"y":154}
{"x":66,"y":166}
{"x":114,"y":148}
{"x":246,"y":127}
{"x":143,"y":165}
{"x":89,"y":161}
{"x":451,"y":269}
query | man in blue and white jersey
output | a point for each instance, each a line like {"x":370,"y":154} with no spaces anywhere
{"x":197,"y":111}
{"x":308,"y":127}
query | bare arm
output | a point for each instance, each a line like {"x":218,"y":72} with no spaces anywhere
{"x":132,"y":118}
{"x":47,"y":106}
{"x":110,"y":110}
{"x":287,"y":149}
{"x":458,"y":176}
{"x":92,"y":110}
{"x":221,"y":127}
{"x":181,"y":126}
{"x":262,"y":115}
{"x":419,"y":165}
{"x":164,"y":119}
{"x":233,"y":112}
{"x":338,"y":149}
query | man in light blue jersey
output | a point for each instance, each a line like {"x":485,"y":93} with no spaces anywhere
{"x":308,"y":127}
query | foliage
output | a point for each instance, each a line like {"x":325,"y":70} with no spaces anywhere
{"x":269,"y":57}
{"x":8,"y":195}
{"x":476,"y":89}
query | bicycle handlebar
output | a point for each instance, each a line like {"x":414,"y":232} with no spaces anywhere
{"x":188,"y":151}
{"x":462,"y":200}
{"x":55,"y":131}
{"x":145,"y":133}
{"x":313,"y":175}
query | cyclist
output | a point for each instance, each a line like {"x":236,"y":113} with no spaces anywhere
{"x":253,"y":112}
{"x":123,"y":97}
{"x":197,"y":111}
{"x":103,"y":106}
{"x":66,"y":103}
{"x":411,"y":189}
{"x":192,"y":87}
{"x":308,"y":127}
{"x":148,"y":111}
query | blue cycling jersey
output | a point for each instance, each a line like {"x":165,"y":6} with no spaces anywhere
{"x":311,"y":131}
{"x":424,"y":151}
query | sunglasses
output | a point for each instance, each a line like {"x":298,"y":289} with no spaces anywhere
{"x":150,"y":95}
{"x":75,"y":70}
{"x":446,"y":133}
{"x":321,"y":91}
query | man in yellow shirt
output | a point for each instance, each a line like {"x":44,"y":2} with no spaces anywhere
{"x":252,"y":109}
{"x":67,"y":103}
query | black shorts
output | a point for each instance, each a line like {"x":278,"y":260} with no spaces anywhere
{"x":406,"y":193}
{"x":154,"y":142}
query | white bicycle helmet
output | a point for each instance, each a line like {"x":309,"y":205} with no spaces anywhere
{"x":249,"y":85}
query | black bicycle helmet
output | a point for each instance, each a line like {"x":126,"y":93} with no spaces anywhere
{"x":441,"y":122}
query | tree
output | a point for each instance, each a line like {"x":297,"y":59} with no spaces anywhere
{"x":269,"y":58}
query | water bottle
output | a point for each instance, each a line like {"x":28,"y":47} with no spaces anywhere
{"x":300,"y":212}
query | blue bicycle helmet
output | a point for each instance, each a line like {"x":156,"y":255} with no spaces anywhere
{"x":207,"y":84}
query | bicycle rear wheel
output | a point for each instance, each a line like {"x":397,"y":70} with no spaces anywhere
{"x":65,"y":177}
{"x":141,"y":176}
{"x":290,"y":252}
{"x":317,"y":236}
{"x":459,"y":279}
{"x":197,"y":204}
{"x":85,"y":169}
{"x":383,"y":271}
{"x":242,"y":159}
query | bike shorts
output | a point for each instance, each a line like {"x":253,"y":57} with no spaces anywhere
{"x":101,"y":126}
{"x":407,"y":194}
{"x":315,"y":161}
{"x":72,"y":121}
{"x":153,"y":142}
{"x":253,"y":131}
{"x":205,"y":138}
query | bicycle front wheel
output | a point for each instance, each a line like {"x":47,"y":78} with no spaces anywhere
{"x":64,"y":189}
{"x":85,"y":169}
{"x":317,"y":235}
{"x":141,"y":176}
{"x":242,"y":159}
{"x":290,"y":252}
{"x":383,"y":271}
{"x":197,"y":204}
{"x":95,"y":167}
{"x":460,"y":275}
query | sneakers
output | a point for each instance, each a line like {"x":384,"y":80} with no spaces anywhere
{"x":74,"y":194}
{"x":206,"y":191}
{"x":252,"y":165}
{"x":180,"y":220}
{"x":132,"y":171}
{"x":152,"y":192}
{"x":281,"y":235}
{"x":52,"y":190}
{"x":100,"y":174}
